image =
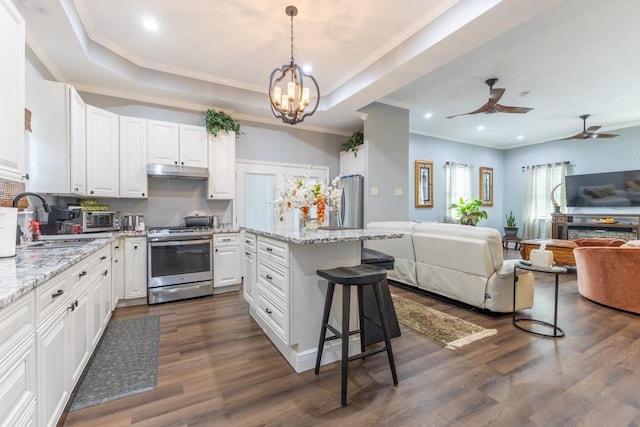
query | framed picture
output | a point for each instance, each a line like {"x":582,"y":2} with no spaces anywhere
{"x":486,"y":186}
{"x":424,"y":184}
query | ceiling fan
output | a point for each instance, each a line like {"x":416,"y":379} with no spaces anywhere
{"x":492,"y":105}
{"x":591,"y":132}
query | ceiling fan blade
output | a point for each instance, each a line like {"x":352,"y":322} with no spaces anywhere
{"x":495,"y":95}
{"x":603,"y":135}
{"x":484,"y":109}
{"x":593,"y":128}
{"x":516,"y":110}
{"x":581,"y":135}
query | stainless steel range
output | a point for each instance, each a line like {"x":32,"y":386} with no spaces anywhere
{"x":180,"y":263}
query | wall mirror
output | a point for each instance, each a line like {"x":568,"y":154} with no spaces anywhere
{"x":486,"y":186}
{"x":424,"y":184}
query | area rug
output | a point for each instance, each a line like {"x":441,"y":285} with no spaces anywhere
{"x":442,"y":327}
{"x":125,"y":363}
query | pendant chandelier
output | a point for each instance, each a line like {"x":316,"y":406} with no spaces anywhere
{"x":299,"y":95}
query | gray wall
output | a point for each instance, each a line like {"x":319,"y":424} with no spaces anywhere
{"x":586,"y":156}
{"x":440,"y":151}
{"x":386,"y":135}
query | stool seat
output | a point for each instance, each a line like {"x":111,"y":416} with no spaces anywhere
{"x":371,"y":256}
{"x":363,"y":274}
{"x":359,"y":276}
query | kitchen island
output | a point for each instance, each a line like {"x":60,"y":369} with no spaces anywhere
{"x":286,"y":296}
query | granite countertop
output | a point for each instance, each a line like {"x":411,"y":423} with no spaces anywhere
{"x":322,"y":236}
{"x":31,"y":267}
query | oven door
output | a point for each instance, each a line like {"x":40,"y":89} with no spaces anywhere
{"x":179,"y":261}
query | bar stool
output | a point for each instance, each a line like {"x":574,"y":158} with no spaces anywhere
{"x":360,"y":276}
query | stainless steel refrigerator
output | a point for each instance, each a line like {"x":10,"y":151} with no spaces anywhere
{"x":352,"y":201}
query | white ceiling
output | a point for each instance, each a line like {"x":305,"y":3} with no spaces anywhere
{"x":562,"y":58}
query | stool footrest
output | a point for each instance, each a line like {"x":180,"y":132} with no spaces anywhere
{"x":336,"y":334}
{"x":367,"y":353}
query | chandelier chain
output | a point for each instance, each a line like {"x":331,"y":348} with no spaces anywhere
{"x":292,"y":39}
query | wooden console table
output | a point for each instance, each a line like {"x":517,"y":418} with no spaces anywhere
{"x":575,"y":226}
{"x":562,"y":250}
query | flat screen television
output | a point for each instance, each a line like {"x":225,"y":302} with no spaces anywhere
{"x":604,"y":190}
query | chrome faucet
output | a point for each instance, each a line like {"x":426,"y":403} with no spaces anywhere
{"x":45,"y":206}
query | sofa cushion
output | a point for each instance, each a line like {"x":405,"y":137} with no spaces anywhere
{"x":631,"y":244}
{"x":598,"y":241}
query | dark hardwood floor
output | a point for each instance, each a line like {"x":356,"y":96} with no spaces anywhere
{"x":217,"y":368}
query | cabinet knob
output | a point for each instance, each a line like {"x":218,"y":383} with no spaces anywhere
{"x":135,"y":246}
{"x":102,"y":258}
{"x":57,"y":294}
{"x":216,"y":250}
{"x":267,"y":310}
{"x":84,"y":273}
{"x":175,"y":162}
{"x":247,"y":254}
{"x":105,"y":273}
{"x":182,"y":163}
{"x":143,"y":195}
{"x":91,"y":191}
{"x":115,"y":260}
{"x":268,"y":249}
{"x":269,"y":277}
{"x":116,"y":247}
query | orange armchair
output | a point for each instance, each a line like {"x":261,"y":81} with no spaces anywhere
{"x":610,"y":276}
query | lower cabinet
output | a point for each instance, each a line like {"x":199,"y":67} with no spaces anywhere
{"x":72,"y":311}
{"x":135,"y":269}
{"x":117,"y":272}
{"x":249,"y":272}
{"x":226,"y":262}
{"x":18,"y":363}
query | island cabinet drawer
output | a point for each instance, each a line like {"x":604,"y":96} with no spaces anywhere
{"x":52,"y":294}
{"x":274,"y":250}
{"x":226,"y":239}
{"x":275,"y":280}
{"x":273,"y":314}
{"x":249,"y":242}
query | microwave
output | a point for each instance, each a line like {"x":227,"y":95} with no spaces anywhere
{"x":93,"y":222}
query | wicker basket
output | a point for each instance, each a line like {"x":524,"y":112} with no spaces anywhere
{"x":8,"y":190}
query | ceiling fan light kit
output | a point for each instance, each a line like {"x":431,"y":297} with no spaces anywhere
{"x":589,"y":133}
{"x":492,"y":105}
{"x":290,"y":101}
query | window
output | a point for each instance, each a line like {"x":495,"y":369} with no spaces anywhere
{"x":539,"y":181}
{"x":457,"y":184}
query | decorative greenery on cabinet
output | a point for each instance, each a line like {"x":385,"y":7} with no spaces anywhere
{"x":356,"y":139}
{"x":219,"y":121}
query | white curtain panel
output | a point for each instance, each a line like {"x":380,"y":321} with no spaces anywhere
{"x":457,"y":184}
{"x":539,"y":181}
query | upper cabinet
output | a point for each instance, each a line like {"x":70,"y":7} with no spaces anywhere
{"x":56,"y":146}
{"x":12,"y":30}
{"x":176,"y":144}
{"x":353,"y":162}
{"x":133,"y":157}
{"x":222,"y":166}
{"x":103,"y":153}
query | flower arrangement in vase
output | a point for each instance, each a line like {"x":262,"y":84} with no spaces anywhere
{"x":300,"y":194}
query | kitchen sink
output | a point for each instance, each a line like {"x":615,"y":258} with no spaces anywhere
{"x":58,"y":244}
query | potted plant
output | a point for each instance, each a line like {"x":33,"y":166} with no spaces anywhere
{"x":469,"y":211}
{"x":219,"y":121}
{"x":355,"y":140}
{"x":511,"y":228}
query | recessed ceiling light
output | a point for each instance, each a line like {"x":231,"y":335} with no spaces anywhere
{"x":150,"y":24}
{"x":307,"y":68}
{"x":520,"y":136}
{"x":428,"y":115}
{"x":480,"y":127}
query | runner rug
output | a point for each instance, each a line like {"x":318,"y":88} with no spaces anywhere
{"x":449,"y":330}
{"x":125,"y":363}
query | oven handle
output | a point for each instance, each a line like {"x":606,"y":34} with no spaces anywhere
{"x":180,"y":242}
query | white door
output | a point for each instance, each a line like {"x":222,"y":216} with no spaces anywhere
{"x":133,"y":157}
{"x":226,"y":262}
{"x":222,"y":166}
{"x":103,"y":153}
{"x":135,"y":270}
{"x":193,"y":146}
{"x":249,"y":278}
{"x":78,"y":143}
{"x":164,"y":142}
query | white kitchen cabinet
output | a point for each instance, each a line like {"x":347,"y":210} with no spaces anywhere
{"x":222,"y":166}
{"x":100,"y":302}
{"x":18,"y":363}
{"x":133,"y":157}
{"x":12,"y":31}
{"x":103,"y":153}
{"x":250,"y":265}
{"x":176,"y":144}
{"x":193,"y":146}
{"x":117,"y":272}
{"x":56,"y":147}
{"x":353,"y":162}
{"x":78,"y":336}
{"x":135,"y":270}
{"x":226,"y":262}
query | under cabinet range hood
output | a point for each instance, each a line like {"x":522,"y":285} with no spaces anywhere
{"x":177,"y":172}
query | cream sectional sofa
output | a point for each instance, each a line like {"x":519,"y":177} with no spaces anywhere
{"x":460,"y":262}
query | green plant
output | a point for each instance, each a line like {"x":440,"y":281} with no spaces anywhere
{"x":469,"y":211}
{"x":511,"y":220}
{"x":219,"y":121}
{"x":351,"y":144}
